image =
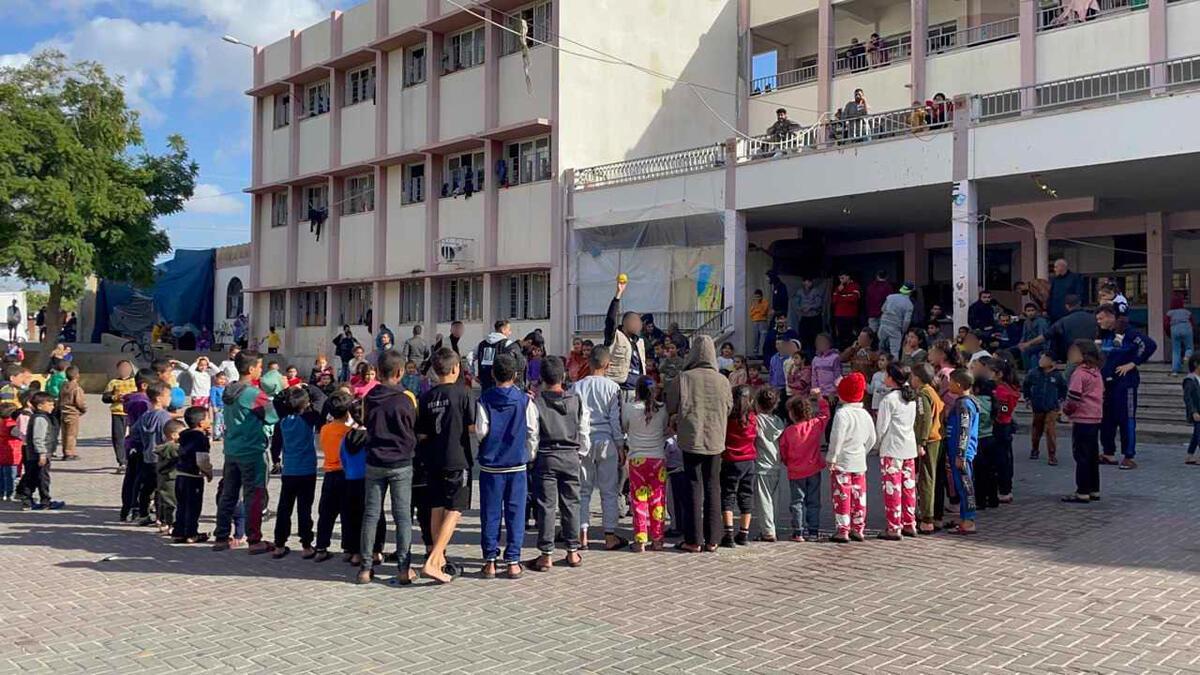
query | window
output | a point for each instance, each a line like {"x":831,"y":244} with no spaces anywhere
{"x":465,"y":50}
{"x":310,"y":307}
{"x":1181,"y":286}
{"x":462,"y":172}
{"x":316,"y":198}
{"x":537,"y":20}
{"x":413,"y":190}
{"x":283,"y":110}
{"x":316,"y":99}
{"x":234,"y":299}
{"x":525,"y":296}
{"x":360,"y":85}
{"x":360,"y":195}
{"x":414,"y":66}
{"x":277,"y":315}
{"x":279,"y":209}
{"x":412,"y":301}
{"x":355,"y":305}
{"x":461,"y":300}
{"x":528,"y":161}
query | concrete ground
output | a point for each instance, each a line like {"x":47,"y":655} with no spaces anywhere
{"x":1045,"y":587}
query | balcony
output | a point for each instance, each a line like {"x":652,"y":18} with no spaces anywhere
{"x":1073,"y":12}
{"x":940,"y":42}
{"x":658,"y":166}
{"x":788,"y":78}
{"x":877,"y":52}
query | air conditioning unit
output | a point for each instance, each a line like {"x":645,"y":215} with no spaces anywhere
{"x":454,"y":252}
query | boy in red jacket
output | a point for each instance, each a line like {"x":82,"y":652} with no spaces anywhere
{"x":10,"y":450}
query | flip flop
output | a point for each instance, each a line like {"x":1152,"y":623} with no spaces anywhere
{"x":961,"y":531}
{"x":308,"y":556}
{"x":1105,"y":460}
{"x":621,"y":543}
{"x":520,"y":571}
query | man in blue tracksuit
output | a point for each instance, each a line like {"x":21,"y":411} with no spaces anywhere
{"x":1124,"y":349}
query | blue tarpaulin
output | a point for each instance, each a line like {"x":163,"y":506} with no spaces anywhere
{"x":182,"y":294}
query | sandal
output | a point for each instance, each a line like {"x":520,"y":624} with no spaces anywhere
{"x":1076,"y":499}
{"x":542,"y":563}
{"x":618,"y":544}
{"x":364,"y":576}
{"x":688,"y":548}
{"x":1053,"y":461}
{"x":962,"y":531}
{"x":1108,"y":459}
{"x":308,"y":555}
{"x":520,"y":570}
{"x":405,"y":578}
{"x":577,"y":561}
{"x":489,"y":570}
{"x":322,"y":556}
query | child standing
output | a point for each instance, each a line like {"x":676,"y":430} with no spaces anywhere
{"x":1191,"y":401}
{"x":895,"y":424}
{"x":1045,"y":390}
{"x":10,"y":450}
{"x":72,"y":405}
{"x":58,"y":377}
{"x":445,"y":422}
{"x":738,"y":375}
{"x":506,"y":426}
{"x":798,"y":373}
{"x":168,"y":462}
{"x":200,"y":373}
{"x":767,"y":466}
{"x":1007,"y":396}
{"x":645,"y":425}
{"x":150,"y":434}
{"x":135,"y":405}
{"x":563,"y":437}
{"x":274,"y":341}
{"x":114,"y":392}
{"x":216,"y":405}
{"x":962,"y":444}
{"x":412,"y":379}
{"x":878,"y":388}
{"x":931,"y":461}
{"x":670,"y":365}
{"x":725,"y":359}
{"x":851,"y":437}
{"x":333,"y":486}
{"x":191,"y":471}
{"x":41,"y":438}
{"x":826,"y":367}
{"x":300,"y":419}
{"x":800,"y":451}
{"x":353,"y":458}
{"x":737,"y":464}
{"x":1085,"y":407}
{"x":987,"y":495}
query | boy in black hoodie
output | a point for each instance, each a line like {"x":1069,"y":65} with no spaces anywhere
{"x":390,"y":414}
{"x":563,"y":436}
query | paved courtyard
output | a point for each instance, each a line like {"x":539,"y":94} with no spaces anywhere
{"x":1045,"y":588}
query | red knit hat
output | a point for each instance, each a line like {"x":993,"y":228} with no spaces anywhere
{"x":852,"y":388}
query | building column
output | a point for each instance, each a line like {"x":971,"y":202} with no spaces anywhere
{"x":337,"y":98}
{"x":1041,"y":247}
{"x":492,"y":151}
{"x":379,"y":303}
{"x":381,"y":209}
{"x":256,"y":203}
{"x":489,"y":307}
{"x":433,"y":197}
{"x":333,"y":229}
{"x":920,"y":43}
{"x":291,"y":321}
{"x":916,"y":258}
{"x":1029,"y":257}
{"x":295,"y":197}
{"x":1027,"y":35}
{"x":333,"y":308}
{"x":430,"y":312}
{"x":964,"y":219}
{"x":825,"y":55}
{"x":736,"y":298}
{"x":1159,"y":266}
{"x":1158,"y":46}
{"x":563,"y":271}
{"x":745,"y":65}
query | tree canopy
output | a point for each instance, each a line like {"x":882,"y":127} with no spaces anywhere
{"x":79,"y":191}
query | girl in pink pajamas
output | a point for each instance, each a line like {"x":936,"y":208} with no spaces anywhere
{"x":851,"y":437}
{"x":644,"y":422}
{"x":897,"y":443}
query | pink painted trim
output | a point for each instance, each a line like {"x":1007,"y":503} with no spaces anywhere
{"x":295,"y":201}
{"x":256,"y":134}
{"x":255,"y":239}
{"x":335,"y":34}
{"x":744,"y":71}
{"x":1158,"y":44}
{"x":381,"y":211}
{"x":433,"y":174}
{"x":491,"y":204}
{"x":433,"y":87}
{"x":1027,"y":37}
{"x":337,"y":98}
{"x":492,"y":151}
{"x":382,"y":102}
{"x":920,"y":28}
{"x":333,"y":230}
{"x":383,"y":12}
{"x":825,"y":47}
{"x":560,"y":257}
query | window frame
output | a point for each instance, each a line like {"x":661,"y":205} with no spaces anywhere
{"x":358,"y":194}
{"x":415,"y":67}
{"x":355,"y":304}
{"x":282,"y":109}
{"x":454,"y":178}
{"x":235,"y":303}
{"x":452,"y":59}
{"x":412,"y":301}
{"x":532,"y":156}
{"x":312,"y":307}
{"x":279,"y":209}
{"x":277,"y":309}
{"x":320,"y":103}
{"x":451,"y":304}
{"x":519,"y":293}
{"x":539,"y":29}
{"x":408,"y":187}
{"x":308,"y":200}
{"x":360,"y":85}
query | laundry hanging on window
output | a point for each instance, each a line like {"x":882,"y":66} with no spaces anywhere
{"x":316,"y":218}
{"x":501,"y":173}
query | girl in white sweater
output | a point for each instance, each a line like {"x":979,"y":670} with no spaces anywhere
{"x":851,"y":437}
{"x":898,"y":453}
{"x":644,"y":422}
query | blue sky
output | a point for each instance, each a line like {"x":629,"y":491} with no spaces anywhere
{"x":179,"y":75}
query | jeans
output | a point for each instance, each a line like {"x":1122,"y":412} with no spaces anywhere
{"x":890,"y":341}
{"x":344,"y":374}
{"x":502,"y":495}
{"x":1182,"y":340}
{"x":295,"y":493}
{"x":556,"y":484}
{"x":398,"y":481}
{"x":760,"y":333}
{"x":601,"y":469}
{"x":119,"y":429}
{"x":8,"y":480}
{"x":244,"y":479}
{"x":965,"y":488}
{"x":806,"y":504}
{"x":1085,"y":447}
{"x":1194,"y":443}
{"x":703,"y":522}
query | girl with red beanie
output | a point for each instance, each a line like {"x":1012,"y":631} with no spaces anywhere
{"x":852,"y":436}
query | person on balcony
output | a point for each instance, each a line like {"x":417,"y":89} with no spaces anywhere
{"x":853,"y":112}
{"x":781,"y":133}
{"x":941,"y":111}
{"x":856,"y":56}
{"x":918,"y":119}
{"x":877,"y":51}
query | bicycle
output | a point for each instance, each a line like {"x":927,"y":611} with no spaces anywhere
{"x":141,"y":349}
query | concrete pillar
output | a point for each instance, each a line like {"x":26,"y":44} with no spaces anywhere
{"x":380,"y":222}
{"x":1159,"y":266}
{"x":379,"y":303}
{"x":331,"y":234}
{"x":745,"y":66}
{"x":1158,"y":46}
{"x":1027,"y":25}
{"x":433,"y":197}
{"x":430,"y":300}
{"x":916,"y":258}
{"x":825,"y":55}
{"x":333,"y":308}
{"x":735,"y":277}
{"x":1041,"y":245}
{"x":256,"y":202}
{"x":920,"y":43}
{"x":964,"y":250}
{"x":291,"y":322}
{"x":295,"y":197}
{"x":490,"y":306}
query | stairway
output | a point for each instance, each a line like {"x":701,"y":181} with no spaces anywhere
{"x":1160,"y":412}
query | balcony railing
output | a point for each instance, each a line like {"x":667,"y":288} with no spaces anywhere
{"x":838,"y":132}
{"x":657,"y":166}
{"x":1069,"y":12}
{"x":1109,"y":85}
{"x":788,"y":78}
{"x":689,"y":321}
{"x":977,"y":35}
{"x":859,"y":58}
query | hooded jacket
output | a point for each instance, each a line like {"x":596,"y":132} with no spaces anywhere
{"x":701,"y":399}
{"x":390,"y":417}
{"x":506,"y":424}
{"x":563,"y":423}
{"x":492,"y":346}
{"x":248,"y":415}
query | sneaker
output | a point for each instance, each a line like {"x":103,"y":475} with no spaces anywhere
{"x":886,"y":536}
{"x":857,"y":536}
{"x":37,"y":507}
{"x":56,"y":505}
{"x":798,"y":538}
{"x":742,"y":538}
{"x":727,"y":541}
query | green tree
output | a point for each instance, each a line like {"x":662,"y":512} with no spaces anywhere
{"x":79,"y":191}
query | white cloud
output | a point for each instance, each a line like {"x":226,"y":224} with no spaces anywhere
{"x":211,"y":199}
{"x":259,"y":22}
{"x":13,"y":60}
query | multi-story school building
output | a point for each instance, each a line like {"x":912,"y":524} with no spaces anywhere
{"x":416,"y":163}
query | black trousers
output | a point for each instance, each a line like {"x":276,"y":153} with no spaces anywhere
{"x":1085,"y":447}
{"x":939,"y":484}
{"x":119,"y":429}
{"x":295,"y":493}
{"x":681,"y":501}
{"x":329,"y":508}
{"x":845,"y":330}
{"x":1003,"y":440}
{"x":556,"y":485}
{"x":986,"y":494}
{"x":810,"y":328}
{"x":34,"y":478}
{"x":189,"y":502}
{"x":354,"y":502}
{"x":704,"y":489}
{"x":131,"y":483}
{"x":147,"y":486}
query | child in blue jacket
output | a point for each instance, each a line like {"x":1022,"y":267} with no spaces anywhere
{"x":300,"y":418}
{"x":962,"y":441}
{"x":506,"y":425}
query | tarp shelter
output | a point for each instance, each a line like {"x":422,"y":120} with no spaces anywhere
{"x":182,"y":294}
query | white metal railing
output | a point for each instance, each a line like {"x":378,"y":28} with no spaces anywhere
{"x":976,"y":35}
{"x":788,"y":78}
{"x":839,"y":132}
{"x":688,"y":321}
{"x":857,"y":58}
{"x":1068,"y":12}
{"x":656,"y":166}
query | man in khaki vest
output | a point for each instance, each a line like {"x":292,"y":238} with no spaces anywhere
{"x":625,"y":344}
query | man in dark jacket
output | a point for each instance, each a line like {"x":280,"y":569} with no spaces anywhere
{"x":1124,"y":349}
{"x":1077,"y":324}
{"x":390,"y":415}
{"x":497,"y":342}
{"x":1191,"y":401}
{"x":1063,"y":284}
{"x":981,"y":315}
{"x":343,"y":345}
